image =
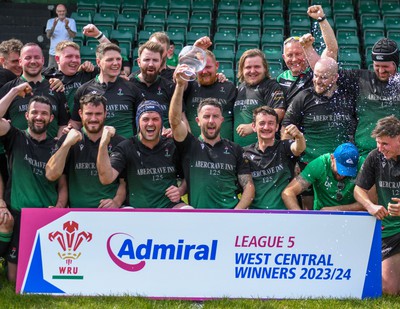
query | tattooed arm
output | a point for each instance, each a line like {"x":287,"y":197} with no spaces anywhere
{"x":246,"y":182}
{"x":294,"y":188}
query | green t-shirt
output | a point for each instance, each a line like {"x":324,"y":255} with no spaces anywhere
{"x":327,"y":190}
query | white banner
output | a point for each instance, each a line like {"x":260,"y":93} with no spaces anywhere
{"x":200,"y":254}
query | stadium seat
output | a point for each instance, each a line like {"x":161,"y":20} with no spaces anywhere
{"x":180,"y":6}
{"x":227,"y":7}
{"x":109,"y":6}
{"x":106,"y":20}
{"x":349,"y":41}
{"x":157,"y":6}
{"x":93,"y":41}
{"x":300,"y":21}
{"x":394,"y":35}
{"x":88,"y":53}
{"x":227,"y":23}
{"x":224,"y":56}
{"x":273,"y":55}
{"x":82,"y":18}
{"x":200,"y":22}
{"x":228,"y":72}
{"x":203,"y":6}
{"x":154,"y":21}
{"x":223,"y":40}
{"x":249,"y":6}
{"x":269,"y":39}
{"x":344,"y":23}
{"x":391,"y":9}
{"x":275,"y":68}
{"x":193,"y":36}
{"x":87,"y":6}
{"x":132,"y":6}
{"x":371,"y":23}
{"x":144,"y":36}
{"x":178,"y":21}
{"x":79,"y":38}
{"x":391,"y":23}
{"x":273,"y":7}
{"x":248,"y":40}
{"x":342,"y":7}
{"x":297,"y":7}
{"x":250,"y":22}
{"x":123,"y":37}
{"x":273,"y":22}
{"x":179,"y":38}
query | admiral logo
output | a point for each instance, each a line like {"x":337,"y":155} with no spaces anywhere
{"x":132,"y":256}
{"x":70,"y":240}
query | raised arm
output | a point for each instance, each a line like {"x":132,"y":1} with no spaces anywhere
{"x":92,"y":31}
{"x":56,"y":164}
{"x":107,"y":174}
{"x":176,"y":121}
{"x":21,"y":90}
{"x":299,"y":144}
{"x":293,"y":189}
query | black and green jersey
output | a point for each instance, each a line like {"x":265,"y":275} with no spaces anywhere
{"x":292,"y":85}
{"x":272,"y":170}
{"x":211,"y":172}
{"x":266,"y":93}
{"x":71,"y":83}
{"x":385,"y":175}
{"x":375,"y":100}
{"x":123,"y":98}
{"x":224,"y":92}
{"x":325,"y":122}
{"x":28,"y":186}
{"x":160,"y":91}
{"x":327,"y":191}
{"x":84,"y":187}
{"x":6,"y":76}
{"x":18,"y":107}
{"x":149,"y":172}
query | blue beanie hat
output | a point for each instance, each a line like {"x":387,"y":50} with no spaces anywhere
{"x":147,"y":106}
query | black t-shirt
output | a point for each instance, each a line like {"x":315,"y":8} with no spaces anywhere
{"x":160,"y":91}
{"x":123,"y":98}
{"x":18,"y":107}
{"x":6,"y":76}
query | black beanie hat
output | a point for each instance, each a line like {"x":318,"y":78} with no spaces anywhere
{"x":147,"y":106}
{"x":386,"y":50}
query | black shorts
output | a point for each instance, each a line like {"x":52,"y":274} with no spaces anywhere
{"x":12,"y":255}
{"x":390,"y":246}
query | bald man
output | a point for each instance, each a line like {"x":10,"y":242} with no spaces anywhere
{"x":59,"y":29}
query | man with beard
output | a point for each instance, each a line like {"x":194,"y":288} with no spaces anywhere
{"x":28,"y":152}
{"x":152,"y":85}
{"x":299,"y":75}
{"x":14,"y":106}
{"x":75,"y":156}
{"x":377,"y":92}
{"x":382,"y":169}
{"x":208,"y":86}
{"x":256,"y":89}
{"x":149,"y":161}
{"x":213,"y":166}
{"x":9,"y":60}
{"x":163,"y":39}
{"x":122,"y":96}
{"x":325,"y":114}
{"x":272,"y":161}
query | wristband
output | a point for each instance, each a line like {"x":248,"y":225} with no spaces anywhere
{"x":99,"y":36}
{"x":320,"y":19}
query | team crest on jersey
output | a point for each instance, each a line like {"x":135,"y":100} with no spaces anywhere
{"x":109,"y":149}
{"x":51,"y":92}
{"x":167,"y":154}
{"x":159,"y":91}
{"x":256,"y":90}
{"x":138,"y":153}
{"x":202,"y":146}
{"x":222,"y":90}
{"x":120,"y":92}
{"x":81,"y":146}
{"x":226,"y":151}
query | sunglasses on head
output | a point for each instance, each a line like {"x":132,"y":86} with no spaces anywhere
{"x":290,"y":39}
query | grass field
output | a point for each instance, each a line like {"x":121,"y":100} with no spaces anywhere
{"x":8,"y":299}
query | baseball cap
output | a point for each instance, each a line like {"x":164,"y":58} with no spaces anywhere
{"x":346,"y":156}
{"x":386,"y":50}
{"x":147,"y":106}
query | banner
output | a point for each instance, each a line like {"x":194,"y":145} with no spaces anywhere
{"x":196,"y":254}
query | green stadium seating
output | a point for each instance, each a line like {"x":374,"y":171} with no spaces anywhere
{"x":250,"y":22}
{"x":126,"y":37}
{"x":227,"y":23}
{"x":228,"y":6}
{"x":193,"y":36}
{"x":109,"y":6}
{"x":131,"y":6}
{"x":273,"y":22}
{"x":129,"y":20}
{"x":203,"y":6}
{"x":345,"y":23}
{"x":179,"y":38}
{"x":157,"y":6}
{"x":248,"y":40}
{"x":390,"y":9}
{"x":82,"y":18}
{"x":178,"y":21}
{"x":225,"y":56}
{"x":300,"y":21}
{"x":271,"y":39}
{"x":249,"y":6}
{"x":144,"y":35}
{"x":200,"y":22}
{"x":88,"y":53}
{"x":391,"y":23}
{"x":342,"y":7}
{"x":87,"y":6}
{"x":106,"y":20}
{"x":154,"y":21}
{"x":223,"y":40}
{"x":274,"y":7}
{"x":180,"y":6}
{"x":79,"y":38}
